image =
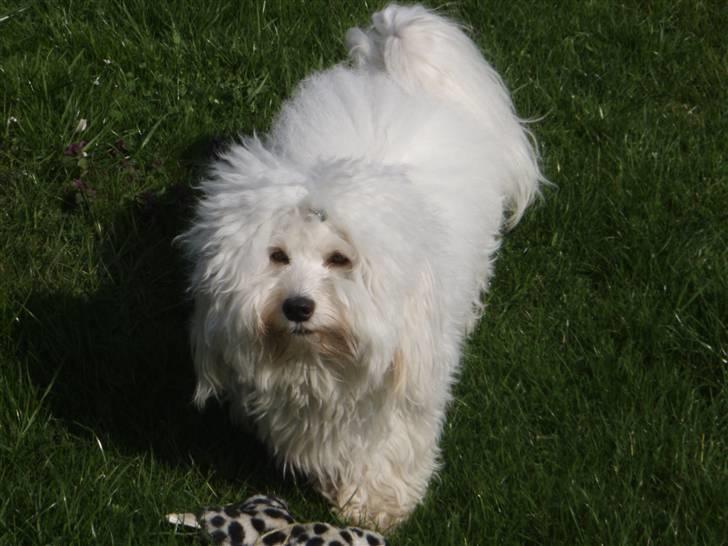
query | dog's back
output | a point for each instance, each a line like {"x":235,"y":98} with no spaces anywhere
{"x":425,"y":52}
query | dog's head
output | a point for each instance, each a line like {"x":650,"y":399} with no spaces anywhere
{"x":321,"y":268}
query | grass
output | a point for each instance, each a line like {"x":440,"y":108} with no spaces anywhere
{"x":593,"y":406}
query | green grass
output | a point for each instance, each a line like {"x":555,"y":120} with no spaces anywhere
{"x":593,"y":406}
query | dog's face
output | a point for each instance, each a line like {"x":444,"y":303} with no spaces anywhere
{"x":311,"y":274}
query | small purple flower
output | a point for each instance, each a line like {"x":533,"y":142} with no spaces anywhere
{"x":75,"y":148}
{"x":82,"y":187}
{"x":118,"y":148}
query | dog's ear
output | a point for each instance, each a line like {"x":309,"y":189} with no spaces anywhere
{"x":407,"y":354}
{"x":420,"y":364}
{"x":211,"y":373}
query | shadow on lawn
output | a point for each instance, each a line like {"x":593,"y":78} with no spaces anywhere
{"x":118,"y":362}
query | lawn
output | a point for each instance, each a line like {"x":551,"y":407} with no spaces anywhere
{"x":593,"y":406}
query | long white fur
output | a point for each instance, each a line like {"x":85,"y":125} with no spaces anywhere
{"x":419,"y":161}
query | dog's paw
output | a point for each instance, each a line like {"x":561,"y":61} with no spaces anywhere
{"x":368,"y":517}
{"x":365,"y":508}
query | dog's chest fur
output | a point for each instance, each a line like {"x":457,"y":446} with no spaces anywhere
{"x":309,"y":413}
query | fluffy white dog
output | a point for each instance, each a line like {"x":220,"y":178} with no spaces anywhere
{"x":339,"y":261}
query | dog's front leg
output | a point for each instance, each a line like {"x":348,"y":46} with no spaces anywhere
{"x":386,"y":482}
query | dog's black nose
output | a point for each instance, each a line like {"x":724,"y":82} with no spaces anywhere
{"x":299,"y":308}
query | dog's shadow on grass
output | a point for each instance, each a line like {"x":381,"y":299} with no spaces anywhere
{"x":117,"y":364}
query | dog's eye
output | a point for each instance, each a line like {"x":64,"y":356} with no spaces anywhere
{"x":277,"y":256}
{"x":337,"y":259}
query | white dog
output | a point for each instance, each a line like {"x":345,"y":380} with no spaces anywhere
{"x":339,"y":261}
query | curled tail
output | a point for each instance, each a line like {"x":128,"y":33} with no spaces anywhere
{"x":424,"y":51}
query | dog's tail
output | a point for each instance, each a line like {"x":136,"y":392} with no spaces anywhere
{"x":422,"y":50}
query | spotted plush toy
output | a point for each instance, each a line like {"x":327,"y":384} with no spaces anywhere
{"x":265,"y":521}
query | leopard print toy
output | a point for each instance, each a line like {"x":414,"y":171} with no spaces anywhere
{"x":265,"y":521}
